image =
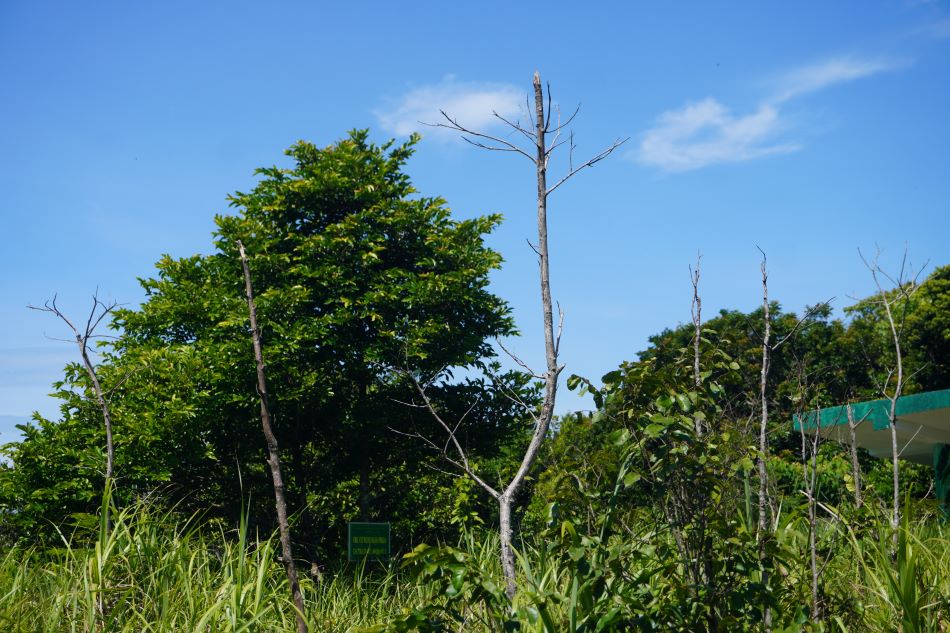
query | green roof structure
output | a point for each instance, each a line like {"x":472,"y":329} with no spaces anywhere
{"x":923,"y":431}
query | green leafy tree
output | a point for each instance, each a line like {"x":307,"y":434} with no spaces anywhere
{"x":355,"y":273}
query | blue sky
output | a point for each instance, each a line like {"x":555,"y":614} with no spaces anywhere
{"x":810,"y":129}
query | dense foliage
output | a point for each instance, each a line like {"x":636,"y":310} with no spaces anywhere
{"x":356,"y":276}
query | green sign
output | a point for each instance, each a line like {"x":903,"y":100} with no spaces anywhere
{"x":367,"y":541}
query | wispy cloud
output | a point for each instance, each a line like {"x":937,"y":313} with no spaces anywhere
{"x":822,"y":75}
{"x":471,"y":103}
{"x":706,"y":132}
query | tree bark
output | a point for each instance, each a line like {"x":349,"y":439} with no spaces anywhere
{"x":273,"y":456}
{"x":507,"y":553}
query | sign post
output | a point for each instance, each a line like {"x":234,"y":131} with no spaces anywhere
{"x":367,"y":541}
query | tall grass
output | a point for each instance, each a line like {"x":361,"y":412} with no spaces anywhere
{"x":151,"y":574}
{"x":155,"y":572}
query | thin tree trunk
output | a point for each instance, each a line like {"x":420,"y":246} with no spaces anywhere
{"x":697,"y":313}
{"x":273,"y":456}
{"x":507,"y":553}
{"x":550,"y":346}
{"x":103,"y":404}
{"x":892,"y":419}
{"x":855,"y":466}
{"x":763,"y":437}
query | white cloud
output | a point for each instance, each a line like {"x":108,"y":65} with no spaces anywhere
{"x":704,"y":133}
{"x":471,"y":103}
{"x":828,"y":73}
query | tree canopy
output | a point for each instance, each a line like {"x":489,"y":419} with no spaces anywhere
{"x":357,"y":276}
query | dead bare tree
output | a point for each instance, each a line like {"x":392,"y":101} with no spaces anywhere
{"x":696,"y":310}
{"x":273,"y":457}
{"x":892,"y":387}
{"x":768,"y":347}
{"x":100,"y":310}
{"x":543,"y":136}
{"x":763,"y":431}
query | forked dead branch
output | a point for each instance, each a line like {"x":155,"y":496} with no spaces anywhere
{"x":99,"y":311}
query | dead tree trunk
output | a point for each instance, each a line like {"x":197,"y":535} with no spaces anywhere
{"x":763,"y":436}
{"x":539,"y":153}
{"x":98,"y":312}
{"x":273,"y":456}
{"x":697,"y":313}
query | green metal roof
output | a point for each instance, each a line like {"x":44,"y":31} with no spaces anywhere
{"x":923,"y":422}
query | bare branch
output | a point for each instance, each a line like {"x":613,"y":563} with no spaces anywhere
{"x":453,"y":124}
{"x":591,"y":162}
{"x":533,"y":247}
{"x":463,"y":464}
{"x":520,"y":362}
{"x":811,"y":312}
{"x":513,"y":395}
{"x":912,"y":438}
{"x":516,"y":126}
{"x":560,"y":330}
{"x":570,"y":119}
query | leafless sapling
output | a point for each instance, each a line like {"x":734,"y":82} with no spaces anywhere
{"x":545,"y":134}
{"x":273,"y":456}
{"x":895,"y":303}
{"x":99,"y":311}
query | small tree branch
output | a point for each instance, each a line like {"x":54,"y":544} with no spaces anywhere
{"x":589,"y":163}
{"x":463,"y":464}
